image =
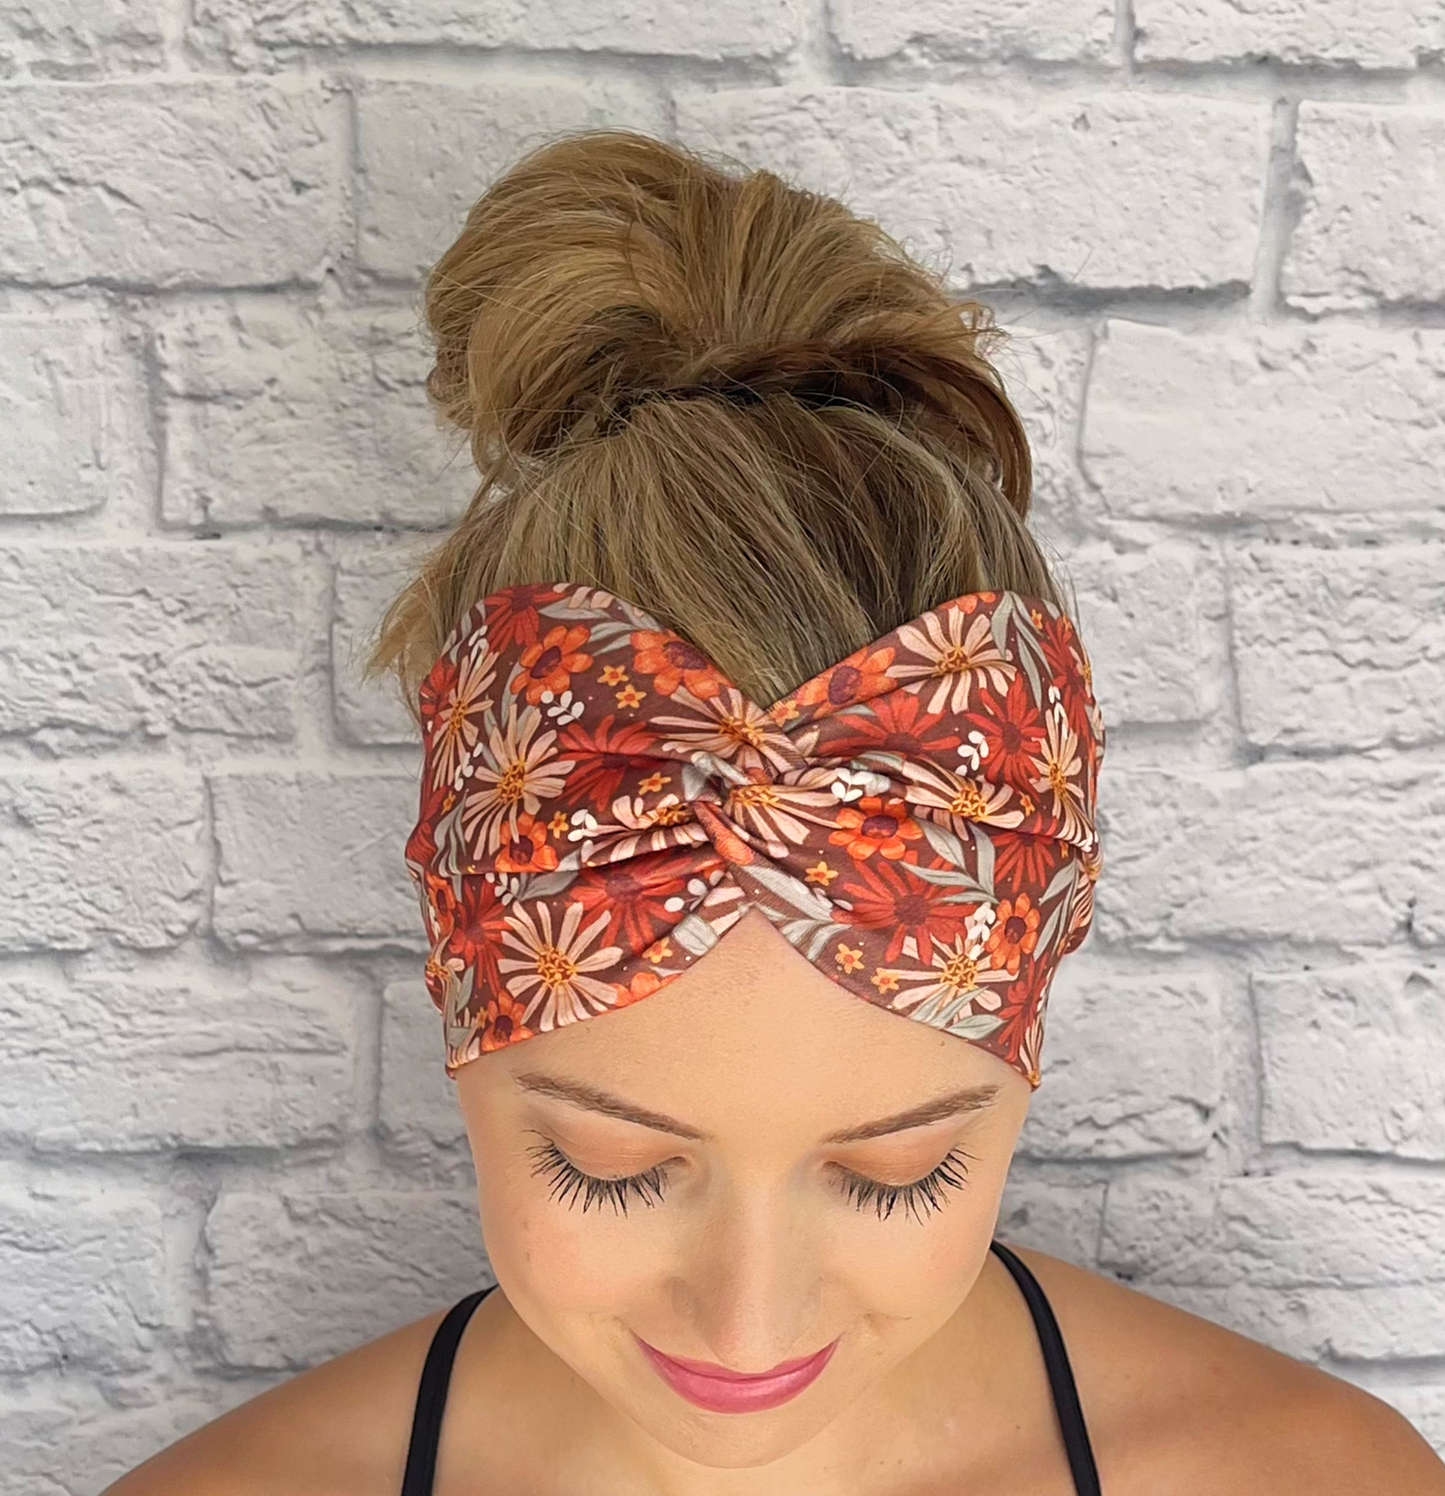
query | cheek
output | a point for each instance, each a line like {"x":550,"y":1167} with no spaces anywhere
{"x":903,"y":1269}
{"x":559,"y":1258}
{"x":909,"y":1269}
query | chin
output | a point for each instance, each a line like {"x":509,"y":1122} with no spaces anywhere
{"x":730,"y":1441}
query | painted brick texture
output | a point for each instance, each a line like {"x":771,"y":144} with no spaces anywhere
{"x":227,"y":1148}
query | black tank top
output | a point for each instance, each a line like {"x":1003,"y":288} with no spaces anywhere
{"x":431,"y":1395}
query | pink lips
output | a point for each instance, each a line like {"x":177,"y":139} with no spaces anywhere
{"x":719,"y":1390}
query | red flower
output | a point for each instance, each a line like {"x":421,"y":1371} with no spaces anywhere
{"x":897,"y":723}
{"x":512,"y":616}
{"x":1069,"y":669}
{"x":634,"y":893}
{"x":605,"y":755}
{"x":1011,"y":730}
{"x":886,"y":896}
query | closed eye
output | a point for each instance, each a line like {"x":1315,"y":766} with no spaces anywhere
{"x":572,"y":1186}
{"x":569,"y":1184}
{"x":922,"y":1197}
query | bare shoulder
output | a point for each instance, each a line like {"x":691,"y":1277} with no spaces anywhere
{"x":1178,"y":1406}
{"x":339,"y":1429}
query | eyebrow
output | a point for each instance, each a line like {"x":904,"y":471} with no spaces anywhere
{"x":590,"y":1098}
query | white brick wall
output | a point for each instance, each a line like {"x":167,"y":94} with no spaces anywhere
{"x":226,"y":1144}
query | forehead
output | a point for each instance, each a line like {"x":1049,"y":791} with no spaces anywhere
{"x":753,"y":1036}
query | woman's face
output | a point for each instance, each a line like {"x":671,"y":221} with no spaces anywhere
{"x":736,"y":1171}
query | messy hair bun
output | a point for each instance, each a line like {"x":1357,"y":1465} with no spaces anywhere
{"x":721,"y":397}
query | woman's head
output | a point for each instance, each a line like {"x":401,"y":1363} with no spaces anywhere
{"x":744,"y":410}
{"x":763,"y":1221}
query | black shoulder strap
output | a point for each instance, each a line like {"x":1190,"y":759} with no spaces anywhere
{"x":431,"y":1396}
{"x":1061,"y":1375}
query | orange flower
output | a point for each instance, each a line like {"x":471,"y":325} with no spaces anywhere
{"x":673,"y":662}
{"x":527,"y":850}
{"x":862,"y":676}
{"x":875,"y":825}
{"x":503,"y":1024}
{"x":643,"y":984}
{"x":550,"y":664}
{"x":1015,"y":932}
{"x":848,"y":958}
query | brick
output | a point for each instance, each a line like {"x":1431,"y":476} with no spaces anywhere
{"x":80,"y":1278}
{"x":1182,"y":425}
{"x":1286,"y":850}
{"x":1141,"y":621}
{"x":1372,"y":211}
{"x":195,"y":1055}
{"x":1187,"y":175}
{"x":725,"y":28}
{"x":168,"y":184}
{"x":1427,"y":914}
{"x":290,"y":414}
{"x":55,"y":1448}
{"x":295,"y":1279}
{"x":1353,"y":1058}
{"x":1038,"y":30}
{"x":311,"y":859}
{"x":1277,"y":1231}
{"x":81,"y":40}
{"x":427,"y":151}
{"x":1423,"y":1406}
{"x":1360,"y":33}
{"x":121,"y":642}
{"x":1341,"y":647}
{"x":1044,"y":374}
{"x":419,"y":1108}
{"x":63,"y":387}
{"x":1155,"y":1094}
{"x":365,"y":584}
{"x":1060,"y":1217}
{"x":87,"y":853}
{"x":1358,"y":1324}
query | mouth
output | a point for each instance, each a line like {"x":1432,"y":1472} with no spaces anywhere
{"x":708,"y":1385}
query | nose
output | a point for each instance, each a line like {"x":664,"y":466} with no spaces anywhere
{"x":750,"y":1290}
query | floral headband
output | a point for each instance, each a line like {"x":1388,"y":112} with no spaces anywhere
{"x":600,"y":804}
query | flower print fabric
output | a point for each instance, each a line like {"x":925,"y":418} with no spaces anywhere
{"x":600,"y":804}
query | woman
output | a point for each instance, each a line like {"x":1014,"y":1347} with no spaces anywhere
{"x":746,"y":693}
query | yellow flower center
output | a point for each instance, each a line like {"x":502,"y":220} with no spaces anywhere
{"x":555,"y":967}
{"x":512,"y":783}
{"x":1058,"y":780}
{"x":753,"y":795}
{"x":960,"y":972}
{"x":741,"y":731}
{"x":968,"y":802}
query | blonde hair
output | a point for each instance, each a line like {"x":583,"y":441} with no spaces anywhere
{"x":720,"y":397}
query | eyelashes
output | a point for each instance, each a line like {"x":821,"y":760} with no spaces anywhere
{"x":569,"y":1185}
{"x":918,"y":1199}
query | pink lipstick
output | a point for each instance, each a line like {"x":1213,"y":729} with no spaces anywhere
{"x":708,"y":1385}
